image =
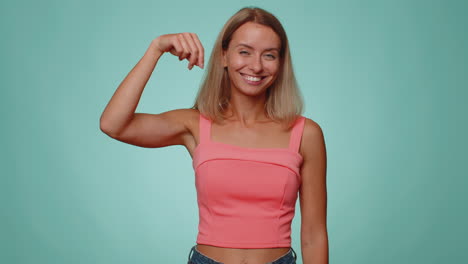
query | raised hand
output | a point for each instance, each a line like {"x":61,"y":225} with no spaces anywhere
{"x":183,"y":45}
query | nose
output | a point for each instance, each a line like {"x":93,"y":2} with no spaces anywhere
{"x":256,"y":64}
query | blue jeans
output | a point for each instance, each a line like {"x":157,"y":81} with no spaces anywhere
{"x":198,"y":258}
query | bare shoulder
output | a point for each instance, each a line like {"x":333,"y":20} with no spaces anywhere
{"x":312,"y":142}
{"x":189,"y":117}
{"x":187,"y":121}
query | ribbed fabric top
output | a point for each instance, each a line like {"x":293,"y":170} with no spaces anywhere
{"x":246,"y":196}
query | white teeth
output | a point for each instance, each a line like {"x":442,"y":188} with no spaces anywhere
{"x":251,"y":78}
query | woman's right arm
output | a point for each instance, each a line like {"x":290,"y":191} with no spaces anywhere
{"x":119,"y":119}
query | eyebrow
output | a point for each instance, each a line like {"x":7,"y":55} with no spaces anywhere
{"x":250,"y":47}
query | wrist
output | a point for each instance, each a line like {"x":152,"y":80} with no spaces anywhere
{"x":154,"y":49}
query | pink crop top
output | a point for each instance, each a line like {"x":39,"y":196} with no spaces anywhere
{"x":246,"y":196}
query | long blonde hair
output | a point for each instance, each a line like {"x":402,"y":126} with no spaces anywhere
{"x":283,"y":98}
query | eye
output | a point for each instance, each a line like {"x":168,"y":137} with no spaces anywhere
{"x":244,"y":52}
{"x":270,"y":56}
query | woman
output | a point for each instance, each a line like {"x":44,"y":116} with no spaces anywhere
{"x":252,"y":149}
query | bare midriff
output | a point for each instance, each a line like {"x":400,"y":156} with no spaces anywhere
{"x":242,"y":255}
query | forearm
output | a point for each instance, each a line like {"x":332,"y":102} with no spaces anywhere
{"x":121,"y":108}
{"x":315,"y":252}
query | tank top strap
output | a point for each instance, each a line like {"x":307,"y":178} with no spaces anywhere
{"x":204,"y":128}
{"x":296,"y":134}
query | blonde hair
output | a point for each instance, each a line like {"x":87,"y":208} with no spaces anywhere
{"x":283,"y":98}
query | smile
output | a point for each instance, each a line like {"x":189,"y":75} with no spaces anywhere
{"x":252,"y":79}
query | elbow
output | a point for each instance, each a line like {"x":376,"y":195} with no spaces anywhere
{"x":319,"y":238}
{"x":317,"y":242}
{"x":107,"y":129}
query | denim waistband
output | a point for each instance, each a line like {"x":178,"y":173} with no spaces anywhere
{"x":198,"y":258}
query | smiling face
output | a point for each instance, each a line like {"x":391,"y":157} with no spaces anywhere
{"x":252,"y":58}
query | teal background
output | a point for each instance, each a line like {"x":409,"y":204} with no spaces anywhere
{"x":386,"y":80}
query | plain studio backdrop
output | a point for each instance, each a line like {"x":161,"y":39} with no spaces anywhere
{"x":386,"y":80}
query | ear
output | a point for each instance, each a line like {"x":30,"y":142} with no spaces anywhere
{"x":223,"y":58}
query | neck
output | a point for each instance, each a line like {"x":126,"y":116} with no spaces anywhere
{"x":246,"y":110}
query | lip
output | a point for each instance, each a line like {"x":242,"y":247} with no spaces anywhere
{"x":262,"y":78}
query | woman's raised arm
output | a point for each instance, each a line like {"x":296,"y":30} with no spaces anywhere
{"x":119,"y":119}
